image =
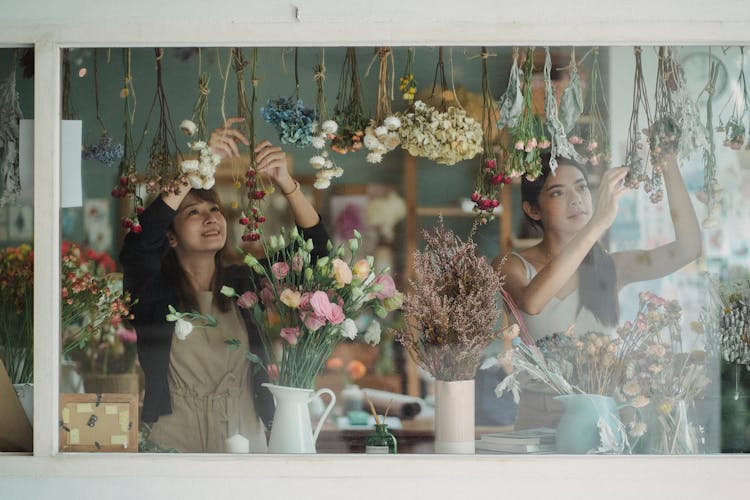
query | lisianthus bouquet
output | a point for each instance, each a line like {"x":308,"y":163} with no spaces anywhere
{"x":93,"y":303}
{"x":310,"y":305}
{"x":451,"y":314}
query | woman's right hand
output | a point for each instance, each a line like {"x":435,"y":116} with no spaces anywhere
{"x":611,"y":188}
{"x":223,"y":140}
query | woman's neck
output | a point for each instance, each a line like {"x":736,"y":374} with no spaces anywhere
{"x":200,"y":271}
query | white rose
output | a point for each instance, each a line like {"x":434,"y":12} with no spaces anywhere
{"x":372,"y":334}
{"x":188,"y":127}
{"x":349,"y":329}
{"x":182,"y":328}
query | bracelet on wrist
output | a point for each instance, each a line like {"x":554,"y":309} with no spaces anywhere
{"x":296,"y":188}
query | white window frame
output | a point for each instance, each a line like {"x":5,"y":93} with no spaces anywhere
{"x":50,"y":28}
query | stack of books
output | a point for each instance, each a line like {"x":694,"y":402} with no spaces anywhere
{"x":541,"y":440}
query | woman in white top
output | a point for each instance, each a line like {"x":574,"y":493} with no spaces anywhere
{"x":569,"y":277}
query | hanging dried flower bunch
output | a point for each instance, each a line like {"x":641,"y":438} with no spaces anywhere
{"x":490,"y":177}
{"x":571,"y":101}
{"x":200,"y":173}
{"x":594,"y":140}
{"x":664,"y":133}
{"x":163,"y":171}
{"x":10,"y":117}
{"x":635,"y":160}
{"x":511,"y":102}
{"x":712,"y":192}
{"x":739,"y":105}
{"x":325,"y":131}
{"x":694,"y":136}
{"x":446,"y":135}
{"x":128,"y":180}
{"x":105,"y":151}
{"x":559,"y":145}
{"x":349,"y":112}
{"x":527,"y":137}
{"x":381,"y":136}
{"x":255,"y":188}
{"x":293,"y":121}
{"x":407,"y":84}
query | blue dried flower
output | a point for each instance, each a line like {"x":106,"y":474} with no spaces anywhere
{"x":104,"y":151}
{"x":291,"y":118}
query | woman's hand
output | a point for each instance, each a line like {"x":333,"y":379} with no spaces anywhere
{"x":271,"y":161}
{"x":223,"y":140}
{"x":611,"y":188}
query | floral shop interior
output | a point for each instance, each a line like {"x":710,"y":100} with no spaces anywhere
{"x":410,"y":250}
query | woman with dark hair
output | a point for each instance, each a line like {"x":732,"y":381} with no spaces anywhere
{"x":569,"y":279}
{"x":199,"y":393}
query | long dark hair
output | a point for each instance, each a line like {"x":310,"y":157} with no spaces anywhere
{"x":174,"y":272}
{"x":597,"y":290}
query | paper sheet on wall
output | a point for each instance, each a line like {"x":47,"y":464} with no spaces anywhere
{"x":71,"y":192}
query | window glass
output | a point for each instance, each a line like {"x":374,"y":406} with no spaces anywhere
{"x":463,"y":190}
{"x":16,"y":246}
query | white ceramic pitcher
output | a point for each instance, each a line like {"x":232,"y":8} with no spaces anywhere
{"x":292,"y":431}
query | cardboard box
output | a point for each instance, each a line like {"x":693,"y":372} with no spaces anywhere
{"x":99,"y":422}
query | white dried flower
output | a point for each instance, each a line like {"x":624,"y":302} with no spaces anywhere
{"x":329,"y":127}
{"x":197,"y":145}
{"x":321,"y":183}
{"x":188,"y":127}
{"x":370,"y":141}
{"x":392,"y":123}
{"x":189,"y":166}
{"x":381,"y":131}
{"x":374,"y":158}
{"x":318,"y":142}
{"x":196,"y":181}
{"x":317,"y":162}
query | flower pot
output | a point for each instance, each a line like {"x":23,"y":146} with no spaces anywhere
{"x":291,"y":431}
{"x":579,"y":428}
{"x":113,"y":383}
{"x":25,"y":393}
{"x":454,"y":417}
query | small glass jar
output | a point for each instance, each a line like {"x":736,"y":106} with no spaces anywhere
{"x":381,"y":441}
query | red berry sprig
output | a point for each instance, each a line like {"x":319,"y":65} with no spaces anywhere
{"x":255,"y":194}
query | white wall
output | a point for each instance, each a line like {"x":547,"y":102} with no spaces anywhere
{"x":53,"y":23}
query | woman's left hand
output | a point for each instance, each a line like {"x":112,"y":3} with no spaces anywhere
{"x":271,"y":161}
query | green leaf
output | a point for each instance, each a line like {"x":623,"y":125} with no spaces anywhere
{"x":233,"y":344}
{"x":253,"y":358}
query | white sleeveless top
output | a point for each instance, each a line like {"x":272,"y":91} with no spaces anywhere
{"x":559,"y":314}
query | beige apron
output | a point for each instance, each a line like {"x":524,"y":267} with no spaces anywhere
{"x":210,"y":386}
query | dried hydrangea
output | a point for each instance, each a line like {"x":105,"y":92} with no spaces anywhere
{"x":292,"y":120}
{"x":105,"y":151}
{"x":445,"y":137}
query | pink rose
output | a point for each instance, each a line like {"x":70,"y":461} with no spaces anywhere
{"x":291,"y":335}
{"x":280,"y":270}
{"x":247,"y":300}
{"x":336,"y":314}
{"x":388,"y":287}
{"x":320,"y":304}
{"x":312,"y":321}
